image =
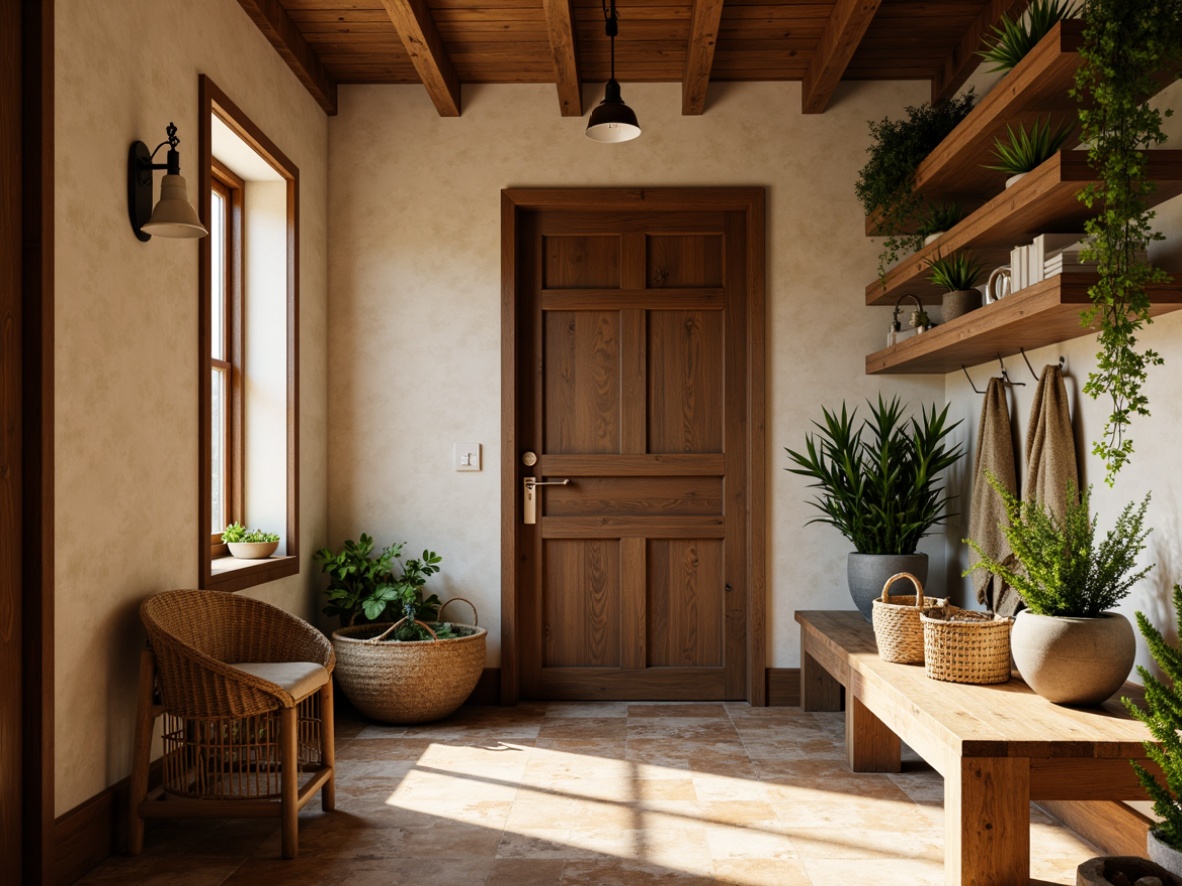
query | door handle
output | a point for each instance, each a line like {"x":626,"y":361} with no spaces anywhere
{"x":530,"y":510}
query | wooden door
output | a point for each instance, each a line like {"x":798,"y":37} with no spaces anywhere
{"x":632,"y":336}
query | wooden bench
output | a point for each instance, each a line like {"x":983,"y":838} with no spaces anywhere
{"x":998,"y":747}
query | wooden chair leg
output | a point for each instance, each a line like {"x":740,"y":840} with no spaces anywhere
{"x":328,"y":753}
{"x":145,"y":719}
{"x":289,"y":762}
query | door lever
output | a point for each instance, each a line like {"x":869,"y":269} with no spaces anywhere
{"x":530,"y":510}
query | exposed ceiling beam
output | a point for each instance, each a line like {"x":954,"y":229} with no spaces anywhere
{"x":963,"y":60}
{"x":566,"y":68}
{"x":843,"y":32}
{"x":272,"y":19}
{"x":412,"y":19}
{"x":699,"y":57}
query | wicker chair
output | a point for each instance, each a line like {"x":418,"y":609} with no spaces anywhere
{"x":246,"y":694}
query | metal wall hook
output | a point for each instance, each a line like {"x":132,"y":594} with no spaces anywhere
{"x":1062,"y":363}
{"x":970,"y":378}
{"x":1005,"y":376}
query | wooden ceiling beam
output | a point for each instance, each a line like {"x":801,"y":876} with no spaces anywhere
{"x":277,"y":26}
{"x":699,"y":57}
{"x":412,"y":19}
{"x":963,"y":60}
{"x":562,"y":46}
{"x":843,"y":32}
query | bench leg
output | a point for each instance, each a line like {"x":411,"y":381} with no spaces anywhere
{"x":987,"y":822}
{"x":870,"y":745}
{"x":819,"y":691}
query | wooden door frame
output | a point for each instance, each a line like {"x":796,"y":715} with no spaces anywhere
{"x":749,"y":201}
{"x":26,"y":442}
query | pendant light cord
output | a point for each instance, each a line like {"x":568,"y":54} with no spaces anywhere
{"x":612,"y":28}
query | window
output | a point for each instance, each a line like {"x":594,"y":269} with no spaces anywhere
{"x":248,"y":443}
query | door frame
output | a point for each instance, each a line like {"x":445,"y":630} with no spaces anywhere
{"x":751,"y":202}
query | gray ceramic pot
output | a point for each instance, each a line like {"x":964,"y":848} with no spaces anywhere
{"x":1166,"y":856}
{"x":867,"y":573}
{"x":957,"y":304}
{"x":1097,"y":871}
{"x":1076,"y":661}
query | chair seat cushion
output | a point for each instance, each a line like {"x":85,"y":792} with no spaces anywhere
{"x":299,"y":678}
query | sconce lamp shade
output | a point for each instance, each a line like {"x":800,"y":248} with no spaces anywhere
{"x":612,"y":120}
{"x":174,"y":215}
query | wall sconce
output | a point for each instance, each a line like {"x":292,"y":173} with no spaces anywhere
{"x":174,"y":215}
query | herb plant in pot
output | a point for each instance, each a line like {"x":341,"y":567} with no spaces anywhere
{"x":413,"y":670}
{"x":1068,"y":646}
{"x":958,"y":275}
{"x":879,"y":484}
{"x":251,"y":544}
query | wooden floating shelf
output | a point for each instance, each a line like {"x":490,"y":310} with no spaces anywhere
{"x":1043,"y":314}
{"x":1042,"y":202}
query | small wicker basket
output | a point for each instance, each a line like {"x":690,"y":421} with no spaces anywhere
{"x":966,"y":647}
{"x":896,"y":621}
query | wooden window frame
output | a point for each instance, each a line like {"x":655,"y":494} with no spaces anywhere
{"x":213,"y":101}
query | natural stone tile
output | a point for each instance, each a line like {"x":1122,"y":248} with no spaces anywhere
{"x":617,"y":872}
{"x":682,"y":729}
{"x":169,"y":870}
{"x":584,"y":728}
{"x":761,"y":872}
{"x":678,"y":709}
{"x":362,"y":871}
{"x":894,"y":872}
{"x":525,"y":872}
{"x":582,"y":709}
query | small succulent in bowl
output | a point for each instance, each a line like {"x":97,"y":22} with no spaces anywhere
{"x":252,"y":544}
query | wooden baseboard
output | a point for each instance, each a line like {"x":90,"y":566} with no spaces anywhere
{"x":1113,"y":827}
{"x":488,"y":689}
{"x":783,"y":687}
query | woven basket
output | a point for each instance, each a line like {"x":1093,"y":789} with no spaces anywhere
{"x":896,"y":621}
{"x":407,"y":682}
{"x":966,"y":647}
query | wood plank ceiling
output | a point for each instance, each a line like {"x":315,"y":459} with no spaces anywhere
{"x":444,"y":43}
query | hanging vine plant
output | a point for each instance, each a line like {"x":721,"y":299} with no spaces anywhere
{"x":1126,"y":48}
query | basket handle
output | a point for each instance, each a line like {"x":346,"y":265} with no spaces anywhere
{"x":915,"y":581}
{"x":382,"y":636}
{"x":475,"y":614}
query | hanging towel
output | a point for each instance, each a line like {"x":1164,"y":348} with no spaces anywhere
{"x":995,"y":455}
{"x":1050,"y":445}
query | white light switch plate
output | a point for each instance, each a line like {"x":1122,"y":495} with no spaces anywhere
{"x":467,"y":457}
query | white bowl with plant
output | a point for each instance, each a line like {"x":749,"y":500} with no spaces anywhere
{"x":249,"y":544}
{"x":1068,"y":644}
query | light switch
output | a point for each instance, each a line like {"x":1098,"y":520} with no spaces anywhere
{"x":467,"y":456}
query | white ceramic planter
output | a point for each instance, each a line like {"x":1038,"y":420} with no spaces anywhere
{"x":1074,"y":661}
{"x":255,"y":550}
{"x":1166,"y":856}
{"x":1014,"y":179}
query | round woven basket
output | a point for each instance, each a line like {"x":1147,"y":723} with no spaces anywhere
{"x":896,"y":621}
{"x":407,"y":682}
{"x":966,"y":647}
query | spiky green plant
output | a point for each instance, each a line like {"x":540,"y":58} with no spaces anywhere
{"x":1163,"y":716}
{"x":957,"y":272}
{"x":1063,"y":571}
{"x":1014,"y":37}
{"x":1025,"y":150}
{"x":878,"y":480}
{"x":939,"y":217}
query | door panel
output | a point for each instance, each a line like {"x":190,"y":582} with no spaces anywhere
{"x":630,"y":384}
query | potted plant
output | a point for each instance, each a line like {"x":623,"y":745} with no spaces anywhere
{"x":937,"y":220}
{"x":879,"y":485}
{"x":1068,"y":646}
{"x":1013,"y":38}
{"x":1025,"y":150}
{"x":1163,"y":716}
{"x":249,"y":545}
{"x":958,"y":276}
{"x":412,"y":667}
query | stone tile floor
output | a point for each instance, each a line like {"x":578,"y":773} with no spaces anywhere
{"x":594,"y":793}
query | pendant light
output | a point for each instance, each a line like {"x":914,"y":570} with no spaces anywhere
{"x":612,"y":120}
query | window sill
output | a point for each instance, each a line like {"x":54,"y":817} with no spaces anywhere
{"x":232,"y":574}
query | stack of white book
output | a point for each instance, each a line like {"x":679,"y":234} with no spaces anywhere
{"x":1031,"y":263}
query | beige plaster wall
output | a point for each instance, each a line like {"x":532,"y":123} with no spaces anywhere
{"x":126,"y":350}
{"x":414,"y":331}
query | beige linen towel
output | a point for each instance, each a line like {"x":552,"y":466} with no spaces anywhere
{"x":995,"y":455}
{"x":1050,"y":445}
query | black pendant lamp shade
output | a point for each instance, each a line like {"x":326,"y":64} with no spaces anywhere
{"x":612,"y":120}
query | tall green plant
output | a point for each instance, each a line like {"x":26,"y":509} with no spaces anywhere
{"x":1163,"y":716}
{"x":1015,"y":37}
{"x":1126,"y":45}
{"x":878,"y":480}
{"x":956,"y":273}
{"x":1063,"y":571}
{"x":1024,"y":150}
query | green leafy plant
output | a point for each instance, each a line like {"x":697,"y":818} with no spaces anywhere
{"x":1063,"y":571}
{"x":1015,"y":37}
{"x":878,"y":480}
{"x":938,"y":218}
{"x":1024,"y":150}
{"x":1126,"y":46}
{"x":1163,"y":716}
{"x":919,"y":319}
{"x":236,"y":533}
{"x":957,"y":272}
{"x":362,"y":586}
{"x":885,"y":183}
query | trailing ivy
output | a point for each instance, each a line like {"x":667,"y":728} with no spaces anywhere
{"x":1126,"y":48}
